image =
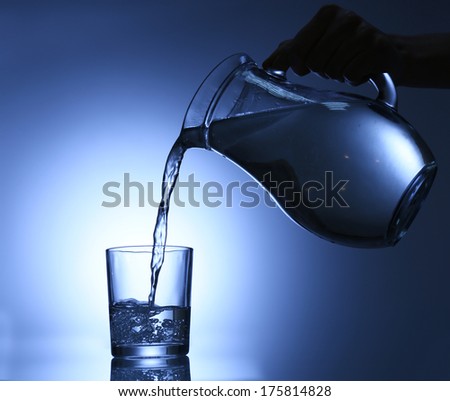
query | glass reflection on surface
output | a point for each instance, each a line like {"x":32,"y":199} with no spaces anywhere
{"x":150,"y":369}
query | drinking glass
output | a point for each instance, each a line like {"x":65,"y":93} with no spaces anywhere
{"x":137,"y":328}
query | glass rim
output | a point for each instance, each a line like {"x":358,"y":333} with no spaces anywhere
{"x":148,"y":248}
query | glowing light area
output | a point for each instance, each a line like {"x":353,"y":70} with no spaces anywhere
{"x":400,"y":151}
{"x":58,"y":232}
{"x":336,"y":106}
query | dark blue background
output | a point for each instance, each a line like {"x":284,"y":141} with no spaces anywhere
{"x":92,"y":90}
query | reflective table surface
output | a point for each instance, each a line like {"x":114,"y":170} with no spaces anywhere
{"x":77,"y":359}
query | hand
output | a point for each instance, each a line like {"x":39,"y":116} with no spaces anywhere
{"x":340,"y":45}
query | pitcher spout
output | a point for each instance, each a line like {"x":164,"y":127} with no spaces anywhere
{"x":200,"y":110}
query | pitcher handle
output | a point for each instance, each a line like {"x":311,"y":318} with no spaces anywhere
{"x":387,"y":93}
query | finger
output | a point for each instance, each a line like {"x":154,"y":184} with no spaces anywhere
{"x":299,"y":47}
{"x":343,"y":30}
{"x":279,"y":59}
{"x":319,"y":57}
{"x":377,"y":58}
{"x":285,"y":57}
{"x":359,"y":70}
{"x":341,"y":59}
{"x":334,"y":68}
{"x":298,"y":66}
{"x":361,"y":41}
{"x":307,"y":38}
{"x":280,"y":62}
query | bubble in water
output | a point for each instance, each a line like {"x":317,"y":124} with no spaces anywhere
{"x":139,"y":324}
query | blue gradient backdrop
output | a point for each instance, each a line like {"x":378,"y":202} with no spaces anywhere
{"x":92,"y":90}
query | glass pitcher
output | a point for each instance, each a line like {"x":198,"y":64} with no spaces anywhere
{"x":348,"y":168}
